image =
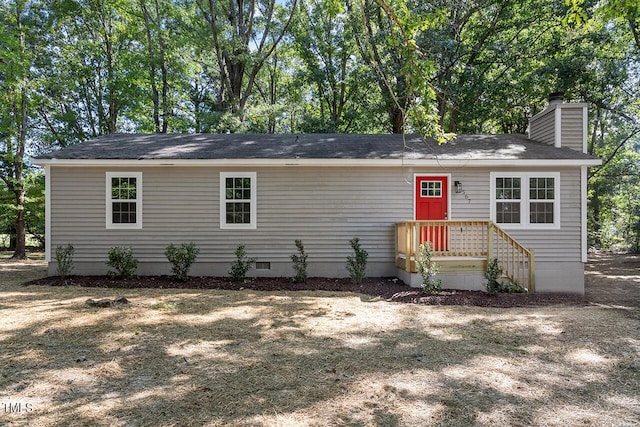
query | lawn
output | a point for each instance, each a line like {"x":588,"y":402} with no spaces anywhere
{"x":212,"y":357}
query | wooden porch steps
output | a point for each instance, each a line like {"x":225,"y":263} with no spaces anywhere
{"x":465,"y":246}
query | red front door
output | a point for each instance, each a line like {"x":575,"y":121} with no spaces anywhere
{"x":432,"y":203}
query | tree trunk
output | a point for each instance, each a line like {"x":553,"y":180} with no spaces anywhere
{"x":12,"y":237}
{"x":396,"y":115}
{"x":239,"y":61}
{"x":17,"y":185}
{"x":595,"y":202}
{"x":273,"y":94}
{"x":111,"y":96}
{"x":164,"y":74}
{"x":20,"y":251}
{"x":155,"y":96}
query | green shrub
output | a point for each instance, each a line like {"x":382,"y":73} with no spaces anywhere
{"x":181,"y":257}
{"x":428,"y":268}
{"x":123,"y":261}
{"x":497,"y":283}
{"x":357,"y":264}
{"x":494,"y":272}
{"x":510,"y":287}
{"x":64,"y":260}
{"x":241,"y":266}
{"x":300,"y":263}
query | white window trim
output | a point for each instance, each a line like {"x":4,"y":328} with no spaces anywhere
{"x":525,"y":201}
{"x":109,"y":201}
{"x":439,"y":188}
{"x":253,"y":201}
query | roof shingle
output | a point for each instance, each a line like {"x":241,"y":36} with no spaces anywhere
{"x":310,"y":146}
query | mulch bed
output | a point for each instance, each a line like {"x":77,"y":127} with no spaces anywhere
{"x":389,"y":289}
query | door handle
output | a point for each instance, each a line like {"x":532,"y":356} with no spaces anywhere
{"x":446,"y":215}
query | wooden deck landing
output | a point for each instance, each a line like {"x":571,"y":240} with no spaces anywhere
{"x":465,"y":246}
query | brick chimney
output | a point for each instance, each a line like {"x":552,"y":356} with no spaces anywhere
{"x":560,"y":124}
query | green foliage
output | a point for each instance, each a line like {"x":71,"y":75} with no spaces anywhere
{"x":492,"y":275}
{"x":496,"y":282}
{"x":241,"y":266}
{"x":510,"y":287}
{"x":614,"y":208}
{"x":33,"y":208}
{"x":388,"y":35}
{"x":428,"y":268}
{"x":357,"y":263}
{"x":64,"y":260}
{"x":331,"y":69}
{"x":123,"y":261}
{"x":7,"y":211}
{"x":300,"y":263}
{"x":34,"y":201}
{"x":181,"y":257}
{"x":576,"y":14}
{"x":231,"y":36}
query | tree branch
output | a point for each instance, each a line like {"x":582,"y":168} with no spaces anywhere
{"x":618,"y":148}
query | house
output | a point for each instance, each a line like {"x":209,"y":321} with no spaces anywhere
{"x":519,"y":199}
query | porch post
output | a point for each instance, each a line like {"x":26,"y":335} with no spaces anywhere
{"x":408,"y":246}
{"x":532,"y":271}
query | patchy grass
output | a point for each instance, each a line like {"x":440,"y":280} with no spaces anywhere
{"x":164,"y":306}
{"x":211,"y":357}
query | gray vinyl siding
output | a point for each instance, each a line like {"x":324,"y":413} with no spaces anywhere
{"x":572,"y":131}
{"x":563,"y":245}
{"x":473,"y":202}
{"x":543,"y":128}
{"x":325,"y":207}
{"x":551,"y":245}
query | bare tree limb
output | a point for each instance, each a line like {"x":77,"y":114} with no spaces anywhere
{"x":633,"y":133}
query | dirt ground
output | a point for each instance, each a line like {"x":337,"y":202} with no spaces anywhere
{"x":613,"y":280}
{"x":213,"y":357}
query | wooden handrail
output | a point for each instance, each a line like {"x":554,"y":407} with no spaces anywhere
{"x":458,"y":238}
{"x":517,"y":262}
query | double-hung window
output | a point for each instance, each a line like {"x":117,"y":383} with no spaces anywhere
{"x":238,"y":200}
{"x":508,"y":195}
{"x":529,"y":200}
{"x":542,"y":200}
{"x":124,"y":200}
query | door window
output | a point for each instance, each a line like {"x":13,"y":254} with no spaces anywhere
{"x":431,"y":189}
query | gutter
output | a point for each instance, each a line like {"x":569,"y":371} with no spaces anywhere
{"x":468,"y":162}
